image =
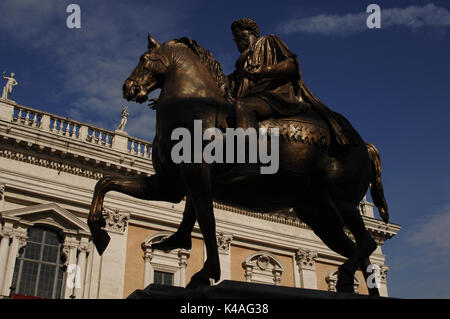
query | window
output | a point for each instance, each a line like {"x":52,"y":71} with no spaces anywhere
{"x":263,"y":267}
{"x":163,"y":278}
{"x":164,"y":268}
{"x":39,"y":268}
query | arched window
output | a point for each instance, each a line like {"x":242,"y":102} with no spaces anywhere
{"x":166,"y":268}
{"x":39,"y":269}
{"x":263,"y":267}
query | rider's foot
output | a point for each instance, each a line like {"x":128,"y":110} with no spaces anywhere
{"x":175,"y":241}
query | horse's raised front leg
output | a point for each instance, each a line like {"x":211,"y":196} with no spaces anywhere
{"x":198,"y":185}
{"x":153,"y":187}
{"x":182,"y":237}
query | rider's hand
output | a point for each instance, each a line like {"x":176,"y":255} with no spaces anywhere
{"x":257,"y":72}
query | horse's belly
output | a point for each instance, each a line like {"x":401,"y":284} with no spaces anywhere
{"x":264,"y":193}
{"x":299,"y":157}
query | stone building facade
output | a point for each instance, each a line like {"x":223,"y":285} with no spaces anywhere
{"x":48,"y":169}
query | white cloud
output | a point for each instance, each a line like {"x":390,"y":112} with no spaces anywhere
{"x":96,"y":59}
{"x":413,"y":17}
{"x":434,"y":232}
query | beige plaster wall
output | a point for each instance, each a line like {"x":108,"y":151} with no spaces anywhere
{"x":134,"y":265}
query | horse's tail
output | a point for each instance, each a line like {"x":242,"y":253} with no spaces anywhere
{"x":376,"y":187}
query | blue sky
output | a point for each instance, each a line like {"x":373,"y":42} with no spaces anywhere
{"x":392,"y":83}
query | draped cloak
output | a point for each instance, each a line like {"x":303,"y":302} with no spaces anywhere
{"x":287,"y":97}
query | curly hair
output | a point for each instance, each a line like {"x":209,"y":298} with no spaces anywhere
{"x":246,"y":24}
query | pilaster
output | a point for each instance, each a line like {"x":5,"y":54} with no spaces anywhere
{"x":306,"y":263}
{"x":112,"y":272}
{"x":70,"y":246}
{"x":83,"y":250}
{"x":223,"y":245}
{"x":19,"y":240}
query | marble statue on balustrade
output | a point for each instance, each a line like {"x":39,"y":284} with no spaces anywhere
{"x":7,"y":90}
{"x":123,"y":122}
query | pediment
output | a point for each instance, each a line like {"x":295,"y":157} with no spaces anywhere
{"x":50,"y":214}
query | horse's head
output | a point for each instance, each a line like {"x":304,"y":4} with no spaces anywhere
{"x":148,"y":74}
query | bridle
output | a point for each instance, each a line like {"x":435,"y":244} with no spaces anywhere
{"x":153,"y":57}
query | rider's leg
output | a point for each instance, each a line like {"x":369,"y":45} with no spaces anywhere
{"x":250,"y":110}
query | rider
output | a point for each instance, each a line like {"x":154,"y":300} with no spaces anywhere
{"x":267,"y":81}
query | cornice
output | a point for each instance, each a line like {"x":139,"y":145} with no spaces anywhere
{"x":32,"y":139}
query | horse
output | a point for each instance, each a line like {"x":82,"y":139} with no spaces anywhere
{"x":323,"y":188}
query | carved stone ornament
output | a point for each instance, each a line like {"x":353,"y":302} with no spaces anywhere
{"x":2,"y":192}
{"x":306,"y":259}
{"x":69,"y":244}
{"x":331,"y":280}
{"x":116,"y":221}
{"x":223,"y":242}
{"x":262,"y":262}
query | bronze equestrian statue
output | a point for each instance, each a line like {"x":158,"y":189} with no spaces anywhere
{"x":325,"y":167}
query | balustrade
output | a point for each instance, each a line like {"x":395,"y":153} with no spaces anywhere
{"x":139,"y":147}
{"x":79,"y":131}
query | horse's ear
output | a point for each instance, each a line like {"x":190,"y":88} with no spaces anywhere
{"x":152,"y":43}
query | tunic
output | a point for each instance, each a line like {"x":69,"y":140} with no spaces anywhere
{"x":283,"y":95}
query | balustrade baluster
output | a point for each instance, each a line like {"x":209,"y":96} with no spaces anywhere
{"x":52,"y":124}
{"x":15,"y":118}
{"x":21,"y":117}
{"x":37,"y":120}
{"x":29,"y":119}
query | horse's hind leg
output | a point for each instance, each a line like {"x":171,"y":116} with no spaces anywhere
{"x":331,"y":233}
{"x":365,"y":244}
{"x":152,"y":187}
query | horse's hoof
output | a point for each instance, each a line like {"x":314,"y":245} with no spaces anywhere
{"x":198,"y":282}
{"x":101,"y":241}
{"x":345,"y":288}
{"x":173,"y":242}
{"x":373,"y":292}
{"x":100,"y":238}
{"x":345,"y":280}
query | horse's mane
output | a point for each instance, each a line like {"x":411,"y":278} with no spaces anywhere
{"x":208,"y":60}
